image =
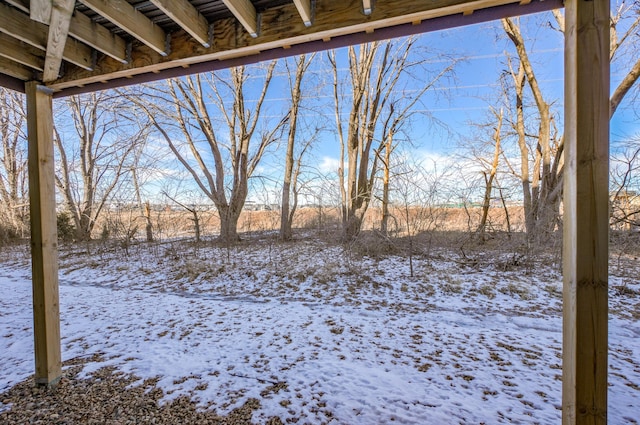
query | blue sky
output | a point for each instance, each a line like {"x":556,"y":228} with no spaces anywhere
{"x":458,"y":102}
{"x":466,"y":100}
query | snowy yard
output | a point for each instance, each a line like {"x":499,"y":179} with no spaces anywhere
{"x":317,"y":333}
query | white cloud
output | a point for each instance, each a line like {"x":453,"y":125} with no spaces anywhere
{"x":329,"y":165}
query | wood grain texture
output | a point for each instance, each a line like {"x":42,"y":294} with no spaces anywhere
{"x":61,"y":11}
{"x":83,"y":29}
{"x":21,"y":52}
{"x":18,"y":25}
{"x":40,"y":11}
{"x":184,"y":14}
{"x":367,"y":7}
{"x":23,"y":5}
{"x":304,"y":9}
{"x":44,"y":238}
{"x":244,"y":12}
{"x":129,"y":19}
{"x":97,"y":36}
{"x":586,"y":213}
{"x":280,"y":27}
{"x":14,"y":69}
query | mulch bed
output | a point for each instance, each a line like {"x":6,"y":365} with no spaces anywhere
{"x":107,"y":397}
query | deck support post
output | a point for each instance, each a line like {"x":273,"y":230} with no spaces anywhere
{"x":44,"y":237}
{"x":586,"y":213}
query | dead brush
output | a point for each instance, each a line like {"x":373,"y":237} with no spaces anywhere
{"x":192,"y":270}
{"x":514,"y":289}
{"x":374,"y":244}
{"x":488,"y":291}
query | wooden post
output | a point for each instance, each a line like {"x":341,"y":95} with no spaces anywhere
{"x":586,"y":212}
{"x":44,"y":237}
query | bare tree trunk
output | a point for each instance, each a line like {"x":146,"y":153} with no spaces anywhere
{"x":229,"y":224}
{"x":286,"y":233}
{"x":373,"y":77}
{"x":145,"y":209}
{"x":490,"y":178}
{"x":14,"y":203}
{"x":287,"y":211}
{"x":542,"y":197}
{"x":386,"y":164}
{"x":148,"y":226}
{"x":338,"y":118}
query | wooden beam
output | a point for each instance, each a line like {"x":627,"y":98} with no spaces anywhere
{"x":61,"y":11}
{"x":367,"y":7}
{"x":97,"y":36}
{"x":15,"y":69}
{"x":282,"y":27}
{"x":244,"y":12}
{"x":305,"y":11}
{"x":18,"y":25}
{"x":87,"y":31}
{"x":124,"y":15}
{"x":44,"y":238}
{"x":586,"y":213}
{"x":11,"y":83}
{"x":187,"y":16}
{"x":40,"y":11}
{"x":23,"y":5}
{"x":21,"y":52}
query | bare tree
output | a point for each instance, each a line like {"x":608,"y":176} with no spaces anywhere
{"x":220,"y":165}
{"x":292,"y":164}
{"x":375,"y":71}
{"x":624,"y":45}
{"x":541,"y":167}
{"x":14,"y":205}
{"x":542,"y":185}
{"x":145,"y":210}
{"x":398,"y":113}
{"x":418,"y":190}
{"x":93,"y":154}
{"x":490,"y":175}
{"x":193,"y":210}
{"x":625,"y":186}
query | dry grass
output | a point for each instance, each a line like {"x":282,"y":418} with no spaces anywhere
{"x":169,"y":223}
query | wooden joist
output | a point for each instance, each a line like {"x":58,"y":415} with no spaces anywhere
{"x":122,"y":14}
{"x":97,"y":36}
{"x":184,"y":14}
{"x":21,"y":52}
{"x":304,"y":9}
{"x":14,"y":69}
{"x":40,"y":11}
{"x":85,"y":30}
{"x":284,"y":26}
{"x":18,"y":25}
{"x":22,"y":5}
{"x":279,"y":28}
{"x":244,"y":12}
{"x":367,"y":7}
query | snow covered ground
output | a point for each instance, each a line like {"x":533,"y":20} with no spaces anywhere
{"x":321,"y":334}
